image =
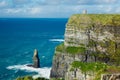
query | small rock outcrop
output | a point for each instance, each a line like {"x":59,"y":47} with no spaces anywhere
{"x":110,"y":77}
{"x":36,"y":59}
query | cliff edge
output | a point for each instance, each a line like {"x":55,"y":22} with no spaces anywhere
{"x":92,"y":40}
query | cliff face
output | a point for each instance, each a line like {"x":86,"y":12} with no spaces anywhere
{"x":88,"y":38}
{"x":110,"y":77}
{"x":61,"y":62}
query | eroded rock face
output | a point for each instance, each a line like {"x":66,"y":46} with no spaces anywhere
{"x":36,"y":59}
{"x":110,"y":77}
{"x":95,"y":35}
{"x":62,"y":61}
{"x":78,"y":75}
{"x":75,"y":36}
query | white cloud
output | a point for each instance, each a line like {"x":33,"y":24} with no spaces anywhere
{"x":35,"y":10}
{"x":26,"y":11}
{"x":117,"y":10}
{"x":20,"y":1}
{"x":81,"y":2}
{"x":110,"y":1}
{"x":56,"y":8}
{"x":109,"y":9}
{"x":13,"y":11}
{"x":58,"y":11}
{"x":3,"y":4}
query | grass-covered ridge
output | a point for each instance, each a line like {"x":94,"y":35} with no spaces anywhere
{"x":85,"y":67}
{"x":95,"y":68}
{"x":103,"y":19}
{"x":75,"y":50}
{"x":60,"y":47}
{"x":71,"y":49}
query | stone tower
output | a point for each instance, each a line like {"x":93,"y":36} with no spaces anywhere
{"x":36,"y":59}
{"x":84,"y":11}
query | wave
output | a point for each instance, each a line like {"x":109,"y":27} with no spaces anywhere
{"x":57,"y":40}
{"x":41,"y":72}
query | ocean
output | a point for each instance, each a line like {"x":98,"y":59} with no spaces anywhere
{"x":18,"y":39}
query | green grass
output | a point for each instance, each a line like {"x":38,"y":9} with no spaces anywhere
{"x":91,"y":19}
{"x":93,"y":66}
{"x":97,"y":68}
{"x":57,"y":79}
{"x":75,"y":50}
{"x":70,"y":50}
{"x":60,"y":47}
{"x":92,"y":43}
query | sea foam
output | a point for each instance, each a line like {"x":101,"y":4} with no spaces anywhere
{"x":42,"y":72}
{"x":57,"y":40}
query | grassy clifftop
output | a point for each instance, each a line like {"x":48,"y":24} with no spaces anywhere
{"x":103,"y":19}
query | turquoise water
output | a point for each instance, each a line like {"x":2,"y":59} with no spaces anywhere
{"x":19,"y":38}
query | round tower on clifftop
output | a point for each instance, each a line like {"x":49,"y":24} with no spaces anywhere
{"x":84,"y":12}
{"x":36,"y":59}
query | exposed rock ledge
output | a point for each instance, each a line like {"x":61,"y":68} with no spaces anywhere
{"x":110,"y":77}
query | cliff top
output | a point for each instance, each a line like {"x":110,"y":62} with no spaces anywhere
{"x":102,"y":19}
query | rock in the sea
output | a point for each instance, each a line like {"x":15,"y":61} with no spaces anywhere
{"x":36,"y":59}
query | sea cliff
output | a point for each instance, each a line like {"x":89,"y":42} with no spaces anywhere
{"x":91,"y":48}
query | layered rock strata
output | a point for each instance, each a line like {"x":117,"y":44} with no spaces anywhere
{"x":88,"y":38}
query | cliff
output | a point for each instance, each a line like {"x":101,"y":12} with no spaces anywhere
{"x":88,"y":38}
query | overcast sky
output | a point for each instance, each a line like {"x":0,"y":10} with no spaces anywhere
{"x":56,"y":8}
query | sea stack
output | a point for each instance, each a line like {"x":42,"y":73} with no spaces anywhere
{"x":36,"y":59}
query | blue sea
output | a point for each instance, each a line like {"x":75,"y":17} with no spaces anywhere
{"x":18,"y":39}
